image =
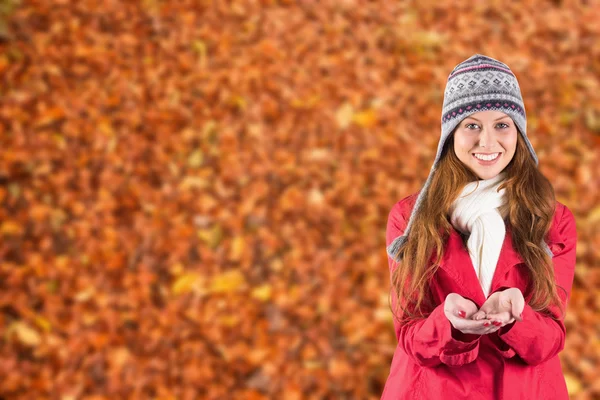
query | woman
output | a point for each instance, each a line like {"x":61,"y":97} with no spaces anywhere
{"x":482,"y":257}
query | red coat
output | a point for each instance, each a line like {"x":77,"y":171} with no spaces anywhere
{"x":519,"y":361}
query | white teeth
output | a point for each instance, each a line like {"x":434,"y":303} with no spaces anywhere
{"x":487,"y":158}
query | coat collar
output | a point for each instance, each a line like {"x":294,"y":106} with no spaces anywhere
{"x":457,"y":262}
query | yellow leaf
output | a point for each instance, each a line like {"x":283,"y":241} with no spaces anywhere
{"x":10,"y":228}
{"x":112,"y":144}
{"x":176,"y":269}
{"x":276,"y":265}
{"x":195,"y":159}
{"x":306,"y":103}
{"x":227,"y":282}
{"x":573,"y":384}
{"x":60,"y":141}
{"x":193,"y":182}
{"x":106,"y":128}
{"x":315,"y":197}
{"x":58,"y":217}
{"x":428,"y":39}
{"x":25,"y":334}
{"x":258,"y":355}
{"x":89,"y":318}
{"x":237,"y":248}
{"x":200,"y":47}
{"x":239,"y":101}
{"x":344,"y":115}
{"x":61,"y":262}
{"x":84,"y":259}
{"x":312,"y":364}
{"x":119,"y":356}
{"x":148,"y":207}
{"x":43,"y":323}
{"x":14,"y":190}
{"x":321,"y":154}
{"x":212,"y":236}
{"x":209,"y":131}
{"x":262,"y":292}
{"x":229,"y":320}
{"x":294,"y":293}
{"x":185,"y":283}
{"x":594,"y":215}
{"x":372,"y":154}
{"x":365,"y":118}
{"x":383,"y":315}
{"x":85,"y":294}
{"x":4,"y":63}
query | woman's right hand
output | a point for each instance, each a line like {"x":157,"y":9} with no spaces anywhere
{"x":459,"y":310}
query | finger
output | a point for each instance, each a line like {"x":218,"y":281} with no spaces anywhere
{"x":498,"y":324}
{"x":503,"y":317}
{"x":467,"y":307}
{"x":456,"y":312}
{"x":519,"y":318}
{"x":479,"y":315}
{"x":488,"y":327}
{"x":485,"y":330}
{"x":517,"y":308}
{"x":468,"y":325}
{"x":460,"y":307}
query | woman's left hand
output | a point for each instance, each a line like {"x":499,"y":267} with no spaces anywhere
{"x":502,"y":308}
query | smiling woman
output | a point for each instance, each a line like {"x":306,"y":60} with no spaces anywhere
{"x":482,"y":258}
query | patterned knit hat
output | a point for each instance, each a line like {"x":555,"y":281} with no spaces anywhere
{"x":477,"y":84}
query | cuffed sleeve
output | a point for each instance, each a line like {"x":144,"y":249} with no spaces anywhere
{"x":429,"y":341}
{"x":539,"y":337}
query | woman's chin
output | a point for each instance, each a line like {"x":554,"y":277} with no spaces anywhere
{"x":486,"y":174}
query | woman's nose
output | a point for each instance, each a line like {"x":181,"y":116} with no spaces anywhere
{"x":485,"y":139}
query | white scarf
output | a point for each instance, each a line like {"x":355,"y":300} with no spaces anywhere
{"x":475,"y":211}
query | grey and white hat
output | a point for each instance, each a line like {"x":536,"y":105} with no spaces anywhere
{"x":477,"y":84}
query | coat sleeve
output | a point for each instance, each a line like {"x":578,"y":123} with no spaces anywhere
{"x":539,"y":337}
{"x":433,"y":340}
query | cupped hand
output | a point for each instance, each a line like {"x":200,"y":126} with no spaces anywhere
{"x":502,"y":307}
{"x":459,"y":311}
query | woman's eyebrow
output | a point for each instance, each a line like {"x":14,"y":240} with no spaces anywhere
{"x":498,"y":119}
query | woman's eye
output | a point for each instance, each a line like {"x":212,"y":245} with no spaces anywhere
{"x":469,"y":125}
{"x":502,"y":123}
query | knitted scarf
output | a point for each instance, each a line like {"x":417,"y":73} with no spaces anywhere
{"x":475,"y":211}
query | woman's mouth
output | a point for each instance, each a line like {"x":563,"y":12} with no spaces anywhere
{"x":487,"y":159}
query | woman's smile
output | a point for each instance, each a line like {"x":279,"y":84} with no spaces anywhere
{"x":487,"y":159}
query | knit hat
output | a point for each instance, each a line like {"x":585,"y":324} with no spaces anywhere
{"x":479,"y":83}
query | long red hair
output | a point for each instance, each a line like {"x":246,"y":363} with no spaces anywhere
{"x":529,"y":210}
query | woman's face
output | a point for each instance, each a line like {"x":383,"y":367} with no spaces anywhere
{"x":486,"y":133}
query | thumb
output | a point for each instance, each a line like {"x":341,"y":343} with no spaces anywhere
{"x":517,"y":306}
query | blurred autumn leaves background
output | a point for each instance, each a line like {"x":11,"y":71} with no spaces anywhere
{"x":194,"y":193}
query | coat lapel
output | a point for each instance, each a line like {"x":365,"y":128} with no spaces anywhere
{"x":509,"y":257}
{"x":457,"y":263}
